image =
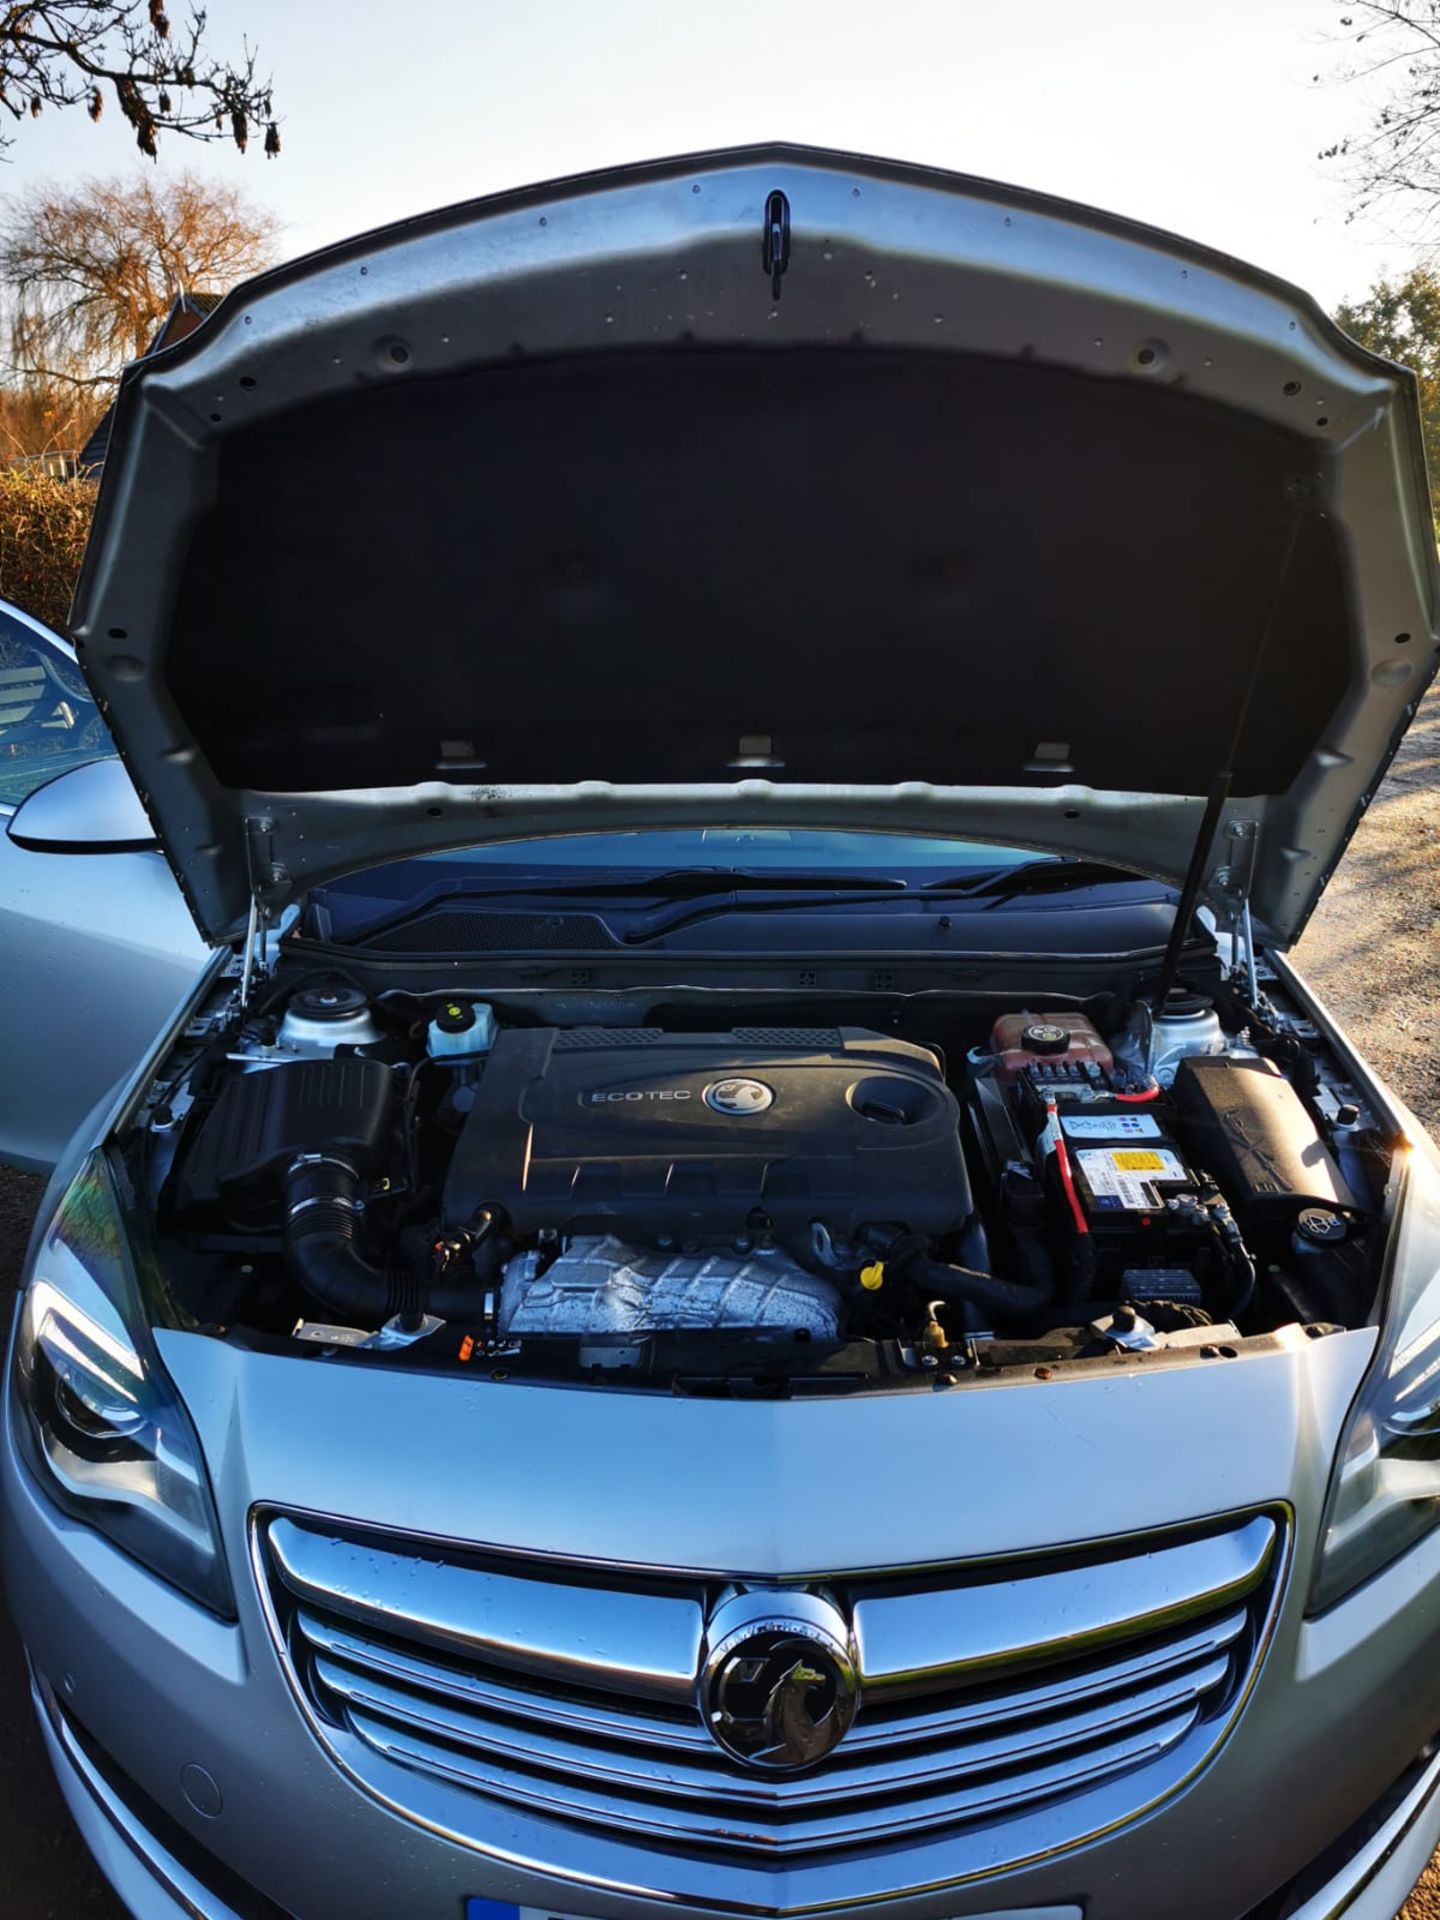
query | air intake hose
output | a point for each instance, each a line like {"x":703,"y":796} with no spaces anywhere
{"x":323,"y":1217}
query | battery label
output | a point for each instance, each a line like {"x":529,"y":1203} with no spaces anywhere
{"x":1110,"y":1126}
{"x":1125,"y":1177}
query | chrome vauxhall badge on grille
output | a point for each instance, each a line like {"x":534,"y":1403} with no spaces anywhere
{"x":778,"y":1685}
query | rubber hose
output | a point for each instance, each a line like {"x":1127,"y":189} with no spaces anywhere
{"x":1037,"y":1266}
{"x":940,"y":1280}
{"x":323,"y":1216}
{"x":1242,"y":1264}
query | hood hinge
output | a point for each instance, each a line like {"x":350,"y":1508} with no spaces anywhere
{"x":267,"y":879}
{"x":1231,"y":885}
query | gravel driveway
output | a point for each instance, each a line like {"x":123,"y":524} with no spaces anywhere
{"x":1373,"y":954}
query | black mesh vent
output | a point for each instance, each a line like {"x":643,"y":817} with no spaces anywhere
{"x":572,"y":1039}
{"x":807,"y":1039}
{"x":458,"y":930}
{"x":795,"y":1039}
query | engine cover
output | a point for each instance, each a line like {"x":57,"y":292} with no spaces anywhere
{"x":654,"y":1136}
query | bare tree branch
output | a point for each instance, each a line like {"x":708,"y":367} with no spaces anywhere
{"x":58,"y":376}
{"x":69,"y":53}
{"x":1392,"y":55}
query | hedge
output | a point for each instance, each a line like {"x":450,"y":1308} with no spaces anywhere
{"x":43,"y":526}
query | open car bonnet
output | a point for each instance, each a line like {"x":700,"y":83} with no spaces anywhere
{"x":769,"y":487}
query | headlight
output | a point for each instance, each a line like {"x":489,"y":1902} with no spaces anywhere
{"x":97,"y":1419}
{"x":1385,"y":1488}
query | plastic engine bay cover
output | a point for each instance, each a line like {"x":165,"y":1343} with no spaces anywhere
{"x":659,"y":1136}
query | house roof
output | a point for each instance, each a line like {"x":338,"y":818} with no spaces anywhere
{"x":186,"y":313}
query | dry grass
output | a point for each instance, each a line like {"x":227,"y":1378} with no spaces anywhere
{"x":43,"y":528}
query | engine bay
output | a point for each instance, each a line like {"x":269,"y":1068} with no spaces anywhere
{"x":705,"y":1199}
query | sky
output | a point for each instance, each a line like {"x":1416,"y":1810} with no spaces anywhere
{"x":1197,"y":115}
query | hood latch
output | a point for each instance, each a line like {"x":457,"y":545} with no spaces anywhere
{"x":775,"y":244}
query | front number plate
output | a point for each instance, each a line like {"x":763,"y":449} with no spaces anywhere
{"x":507,"y":1910}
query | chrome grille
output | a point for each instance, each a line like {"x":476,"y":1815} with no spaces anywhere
{"x":985,"y":1689}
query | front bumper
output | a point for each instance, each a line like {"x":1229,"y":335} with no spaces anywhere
{"x":1371,"y":1881}
{"x":160,"y":1880}
{"x":156,"y":1687}
{"x":1345,"y":1704}
{"x":151,"y":1877}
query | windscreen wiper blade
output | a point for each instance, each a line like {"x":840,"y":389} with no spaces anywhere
{"x":1033,"y":876}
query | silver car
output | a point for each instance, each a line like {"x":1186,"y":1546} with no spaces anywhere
{"x":748,"y":1286}
{"x":95,"y":952}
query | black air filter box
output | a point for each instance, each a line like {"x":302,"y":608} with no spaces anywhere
{"x":263,"y":1121}
{"x":1246,"y":1126}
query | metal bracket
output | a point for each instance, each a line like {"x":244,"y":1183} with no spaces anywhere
{"x":1127,"y":1330}
{"x":1244,"y":839}
{"x":252,"y":955}
{"x":1232,"y":883}
{"x":266,"y":877}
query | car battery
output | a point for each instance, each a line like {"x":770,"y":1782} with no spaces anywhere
{"x":1142,"y":1203}
{"x":1125,"y":1168}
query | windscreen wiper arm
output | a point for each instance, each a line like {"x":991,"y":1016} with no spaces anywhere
{"x":849,"y":893}
{"x":996,"y":884}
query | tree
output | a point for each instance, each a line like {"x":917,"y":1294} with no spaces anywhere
{"x":91,"y":270}
{"x":1401,"y":319}
{"x":70,"y":53}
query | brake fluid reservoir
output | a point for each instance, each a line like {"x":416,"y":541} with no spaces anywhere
{"x":1021,"y":1040}
{"x":461,"y":1030}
